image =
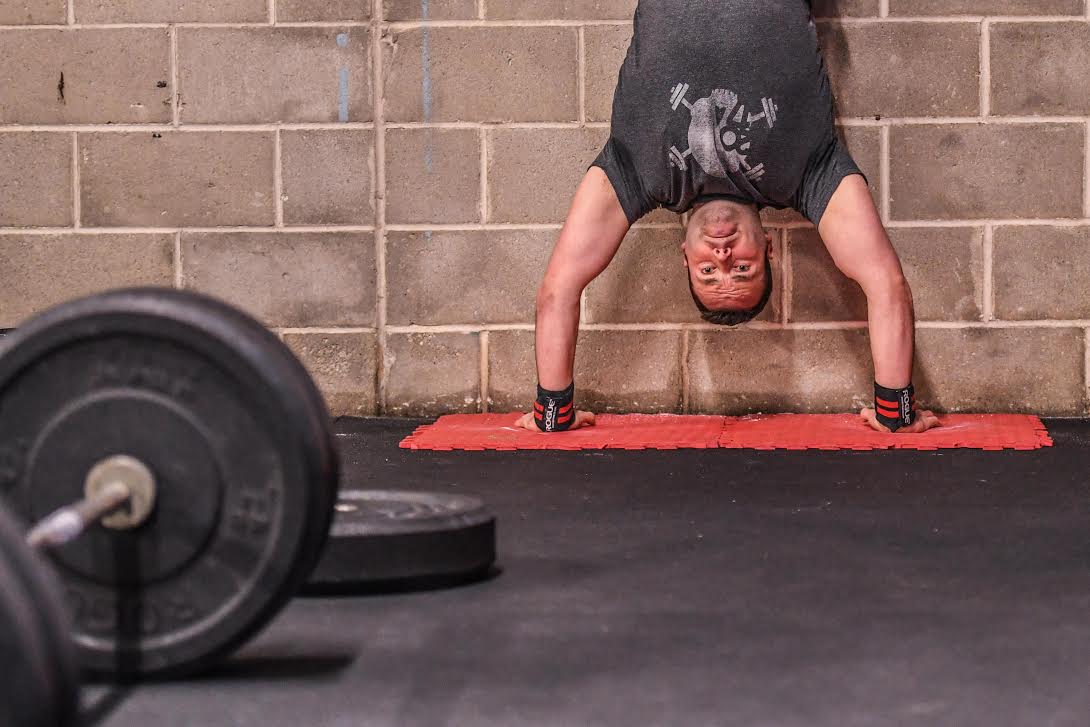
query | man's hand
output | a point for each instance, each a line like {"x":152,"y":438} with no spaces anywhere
{"x":924,"y":420}
{"x":582,"y":419}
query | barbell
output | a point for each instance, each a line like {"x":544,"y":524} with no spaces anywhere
{"x":178,"y":462}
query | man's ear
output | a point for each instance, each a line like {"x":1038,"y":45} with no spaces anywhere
{"x":770,"y":249}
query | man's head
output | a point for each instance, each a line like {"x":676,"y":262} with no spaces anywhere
{"x":728,"y":258}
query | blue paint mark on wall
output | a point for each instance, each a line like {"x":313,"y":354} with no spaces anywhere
{"x":342,"y":95}
{"x":342,"y":111}
{"x":425,"y":53}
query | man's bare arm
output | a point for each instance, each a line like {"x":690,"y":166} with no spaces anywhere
{"x":858,"y":244}
{"x":860,"y":247}
{"x":593,"y":232}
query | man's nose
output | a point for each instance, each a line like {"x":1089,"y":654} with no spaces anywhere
{"x":722,"y":252}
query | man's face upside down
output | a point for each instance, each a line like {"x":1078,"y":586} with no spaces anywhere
{"x":727,"y":253}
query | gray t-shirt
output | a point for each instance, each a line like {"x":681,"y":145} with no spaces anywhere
{"x":724,"y":98}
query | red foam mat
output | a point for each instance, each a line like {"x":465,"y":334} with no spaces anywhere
{"x":630,"y":431}
{"x":847,"y":431}
{"x":778,"y":431}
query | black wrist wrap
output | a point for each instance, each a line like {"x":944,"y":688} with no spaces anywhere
{"x":554,"y":411}
{"x":895,"y":408}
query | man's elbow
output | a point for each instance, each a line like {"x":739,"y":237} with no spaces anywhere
{"x":890,"y":286}
{"x":553,"y":295}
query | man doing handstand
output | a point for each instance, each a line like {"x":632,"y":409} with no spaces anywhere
{"x":724,"y":107}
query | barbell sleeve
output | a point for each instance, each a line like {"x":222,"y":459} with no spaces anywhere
{"x":65,"y":524}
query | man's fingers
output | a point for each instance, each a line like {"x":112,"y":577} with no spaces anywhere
{"x":927,"y":420}
{"x":526,"y":421}
{"x":583,"y":419}
{"x":869,"y":417}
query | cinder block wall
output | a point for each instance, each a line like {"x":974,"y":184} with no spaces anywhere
{"x":382,"y":183}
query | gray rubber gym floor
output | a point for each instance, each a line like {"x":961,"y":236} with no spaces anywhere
{"x":696,"y":588}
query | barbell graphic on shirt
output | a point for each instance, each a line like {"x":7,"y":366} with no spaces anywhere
{"x":719,"y":132}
